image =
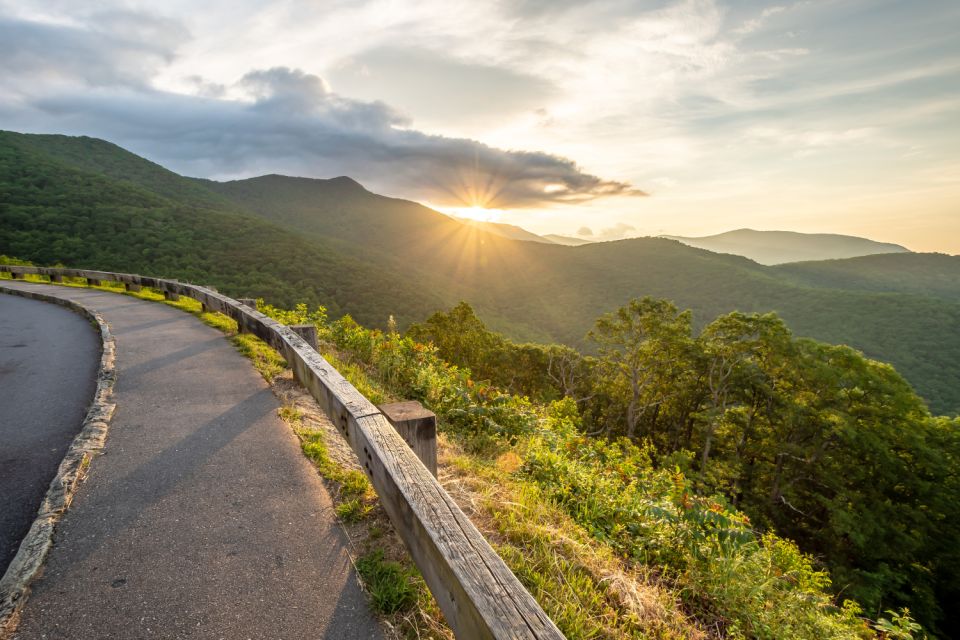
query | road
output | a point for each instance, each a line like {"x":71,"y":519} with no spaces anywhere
{"x":202,"y":518}
{"x":48,"y":367}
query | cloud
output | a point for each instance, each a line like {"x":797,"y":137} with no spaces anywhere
{"x":755,"y":24}
{"x":277,"y":120}
{"x":439,"y":88}
{"x":113,"y":48}
{"x":616,"y":232}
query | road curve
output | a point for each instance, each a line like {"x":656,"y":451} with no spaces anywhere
{"x":202,"y":519}
{"x":48,"y":366}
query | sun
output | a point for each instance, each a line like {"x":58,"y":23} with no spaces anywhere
{"x":476,"y":212}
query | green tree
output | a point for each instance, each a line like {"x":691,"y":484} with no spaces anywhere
{"x":642,"y":347}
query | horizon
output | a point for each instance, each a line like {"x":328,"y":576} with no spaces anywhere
{"x":599,"y":121}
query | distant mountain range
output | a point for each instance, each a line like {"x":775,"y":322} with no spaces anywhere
{"x":505,"y":230}
{"x":88,"y":203}
{"x":778,"y":247}
{"x":566,"y":240}
{"x":764,"y":247}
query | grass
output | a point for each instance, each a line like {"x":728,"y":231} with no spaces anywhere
{"x":392,"y":586}
{"x":352,"y":510}
{"x":582,"y":585}
{"x":357,"y":376}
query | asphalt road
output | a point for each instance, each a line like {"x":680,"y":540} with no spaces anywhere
{"x":202,"y":518}
{"x":48,"y":368}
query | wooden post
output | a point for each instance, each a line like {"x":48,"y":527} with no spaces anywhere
{"x":247,"y":302}
{"x":418,"y":427}
{"x":17,"y":276}
{"x":131,"y":286}
{"x":56,"y":277}
{"x":93,"y":282}
{"x":309,"y":333}
{"x":170,"y":295}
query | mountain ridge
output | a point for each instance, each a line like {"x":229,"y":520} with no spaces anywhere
{"x":779,"y":247}
{"x":336,"y":243}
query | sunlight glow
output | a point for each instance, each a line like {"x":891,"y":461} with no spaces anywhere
{"x":478,"y":213}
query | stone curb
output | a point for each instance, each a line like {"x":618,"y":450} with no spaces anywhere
{"x":26,"y":565}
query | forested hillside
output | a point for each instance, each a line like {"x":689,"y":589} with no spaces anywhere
{"x":51,"y":211}
{"x":92,"y":204}
{"x":548,"y":293}
{"x":930,"y":274}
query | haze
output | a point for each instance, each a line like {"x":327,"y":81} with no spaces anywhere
{"x":602,"y":119}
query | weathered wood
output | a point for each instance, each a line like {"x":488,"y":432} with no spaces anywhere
{"x":308,"y":332}
{"x":479,"y":596}
{"x":18,"y":276}
{"x":132,"y":286}
{"x":56,"y":277}
{"x":247,"y":302}
{"x":93,"y":282}
{"x":418,"y":428}
{"x":171,"y":295}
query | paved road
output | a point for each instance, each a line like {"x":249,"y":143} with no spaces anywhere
{"x":48,"y":368}
{"x":202,"y":519}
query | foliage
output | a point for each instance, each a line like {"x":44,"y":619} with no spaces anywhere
{"x":391,"y":586}
{"x":815,"y":442}
{"x":760,"y":586}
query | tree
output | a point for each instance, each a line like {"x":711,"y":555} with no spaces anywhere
{"x":643,"y":346}
{"x":739,"y":354}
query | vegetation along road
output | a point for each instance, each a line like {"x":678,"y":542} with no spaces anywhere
{"x":201,"y":518}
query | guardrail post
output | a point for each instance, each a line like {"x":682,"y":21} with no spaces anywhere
{"x":418,"y":427}
{"x":56,"y":277}
{"x":93,"y":282}
{"x":247,"y":302}
{"x":309,"y":333}
{"x":17,"y":276}
{"x":170,"y":295}
{"x":131,"y":286}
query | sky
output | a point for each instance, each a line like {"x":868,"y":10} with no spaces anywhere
{"x":602,"y":120}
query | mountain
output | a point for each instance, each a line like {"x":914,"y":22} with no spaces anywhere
{"x":931,"y":274}
{"x":778,"y":247}
{"x":566,"y":240}
{"x":91,"y":204}
{"x":504,"y":230}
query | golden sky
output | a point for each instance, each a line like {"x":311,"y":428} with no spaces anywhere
{"x":608,"y":119}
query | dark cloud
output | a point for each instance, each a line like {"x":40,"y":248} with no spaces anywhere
{"x":115,"y":48}
{"x":203,"y":87}
{"x":291,"y":122}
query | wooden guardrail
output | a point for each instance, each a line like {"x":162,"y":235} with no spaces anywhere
{"x":479,"y":596}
